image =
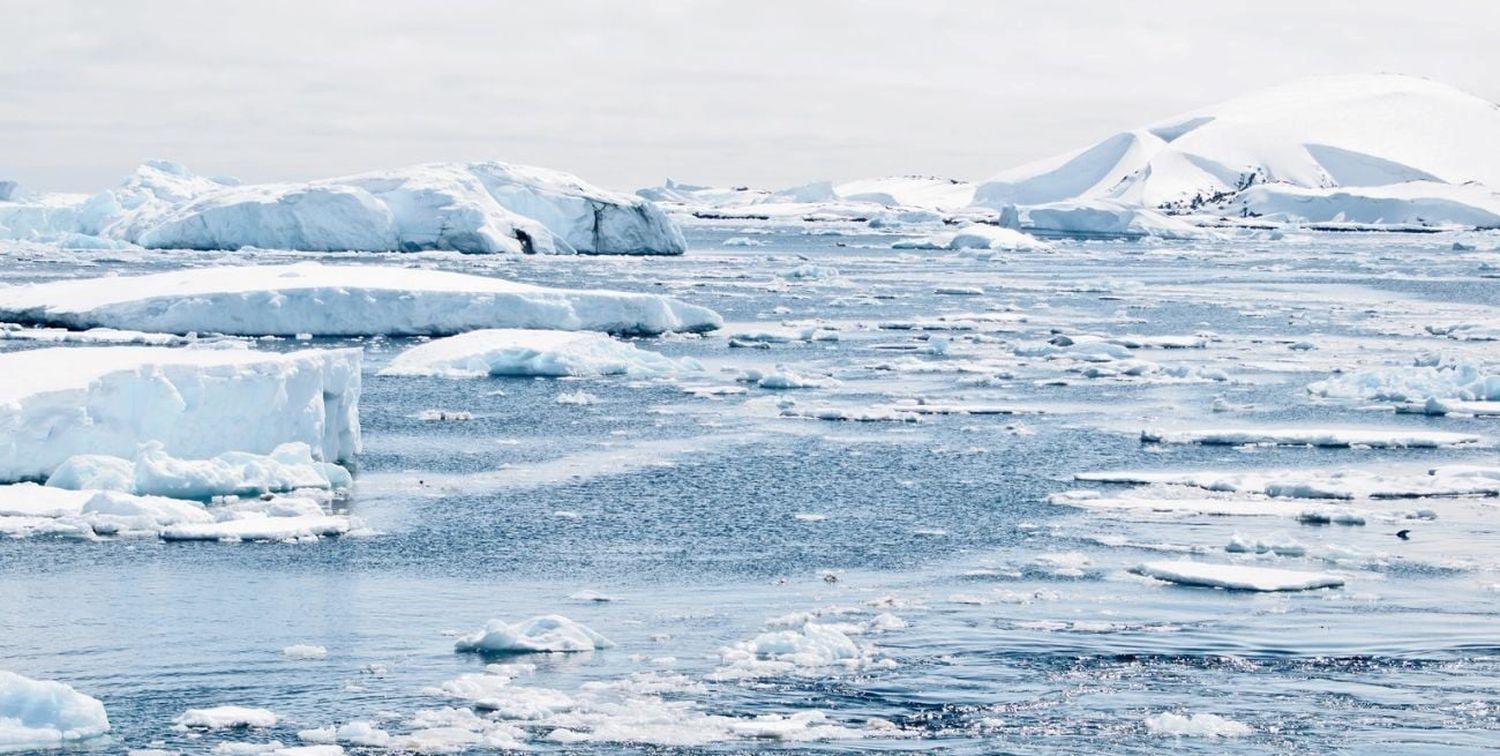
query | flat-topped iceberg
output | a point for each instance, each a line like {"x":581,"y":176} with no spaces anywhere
{"x":339,"y":300}
{"x":40,"y":714}
{"x":522,"y":352}
{"x":481,"y":207}
{"x":1105,"y":218}
{"x":196,"y":403}
{"x":1236,"y":577}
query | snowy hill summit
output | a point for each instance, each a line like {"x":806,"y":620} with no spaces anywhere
{"x":482,"y":207}
{"x":1379,"y":150}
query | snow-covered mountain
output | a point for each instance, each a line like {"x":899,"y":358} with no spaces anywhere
{"x":1313,"y":137}
{"x":479,"y":207}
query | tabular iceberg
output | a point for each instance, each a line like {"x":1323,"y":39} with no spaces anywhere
{"x":197,"y":403}
{"x":481,"y":207}
{"x":343,"y":300}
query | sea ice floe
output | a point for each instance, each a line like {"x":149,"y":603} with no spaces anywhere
{"x":976,"y":236}
{"x":549,"y":633}
{"x":339,"y":300}
{"x":523,"y":352}
{"x":225,"y":718}
{"x":45,"y":714}
{"x":197,"y":403}
{"x":1196,"y":725}
{"x":1236,"y":577}
{"x":304,"y":651}
{"x":1462,"y":381}
{"x":1444,"y":480}
{"x":1335,"y":438}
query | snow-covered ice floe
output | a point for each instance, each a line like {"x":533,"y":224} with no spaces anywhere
{"x":1334,"y":438}
{"x":550,"y":633}
{"x":1236,"y":577}
{"x":197,"y":403}
{"x":523,"y":352}
{"x":27,"y":509}
{"x":226,"y":718}
{"x":154,"y":472}
{"x":1196,"y":725}
{"x":481,"y":207}
{"x":339,"y":300}
{"x":1415,"y":383}
{"x":975,"y":236}
{"x":44,"y":714}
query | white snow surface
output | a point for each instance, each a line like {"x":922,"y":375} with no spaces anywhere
{"x":196,"y":403}
{"x":338,"y":300}
{"x":154,"y":472}
{"x":1236,"y":577}
{"x":481,"y":207}
{"x":523,"y":352}
{"x":549,"y":633}
{"x":225,"y":718}
{"x":41,"y":714}
{"x":1318,"y":133}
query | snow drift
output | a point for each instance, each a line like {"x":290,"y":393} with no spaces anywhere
{"x":345,"y":300}
{"x":1304,"y":138}
{"x":197,"y":403}
{"x":482,"y":207}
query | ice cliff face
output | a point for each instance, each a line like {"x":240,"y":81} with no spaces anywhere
{"x":486,"y":207}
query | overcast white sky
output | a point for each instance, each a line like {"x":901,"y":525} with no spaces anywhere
{"x":626,"y":93}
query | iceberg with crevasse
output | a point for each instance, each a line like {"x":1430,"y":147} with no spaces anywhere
{"x":479,"y":207}
{"x":194,"y":403}
{"x":339,"y":300}
{"x":45,"y":714}
{"x":525,"y":352}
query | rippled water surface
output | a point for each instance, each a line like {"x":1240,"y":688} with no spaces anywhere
{"x":986,"y":617}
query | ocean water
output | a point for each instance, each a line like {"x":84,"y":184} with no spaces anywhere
{"x":968,"y":612}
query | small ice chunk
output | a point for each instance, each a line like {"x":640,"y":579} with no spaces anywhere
{"x":225,"y":718}
{"x":1236,"y":577}
{"x":304,"y":651}
{"x":37,"y":714}
{"x":1196,"y":725}
{"x":550,"y":633}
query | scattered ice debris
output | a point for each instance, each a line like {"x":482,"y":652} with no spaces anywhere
{"x":1418,"y":383}
{"x":550,"y":633}
{"x":522,"y":352}
{"x":1334,"y":438}
{"x":976,"y":236}
{"x":304,"y":651}
{"x":45,"y":714}
{"x":197,"y":403}
{"x":1447,"y":480}
{"x":578,"y":398}
{"x":809,"y":272}
{"x":225,"y":718}
{"x":1239,"y":544}
{"x":339,"y":300}
{"x":783,"y":378}
{"x":742,"y":241}
{"x":1196,"y":726}
{"x":444,"y":416}
{"x":1235,"y":577}
{"x":1096,"y":218}
{"x":801,"y":646}
{"x":591,"y":596}
{"x":358,"y":733}
{"x":154,"y":472}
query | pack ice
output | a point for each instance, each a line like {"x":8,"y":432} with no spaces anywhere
{"x":195,"y":403}
{"x":339,"y":300}
{"x":480,"y":207}
{"x":1379,"y":150}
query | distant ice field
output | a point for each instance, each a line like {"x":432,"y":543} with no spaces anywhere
{"x":903,"y":548}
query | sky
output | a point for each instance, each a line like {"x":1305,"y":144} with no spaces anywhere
{"x":626,"y":94}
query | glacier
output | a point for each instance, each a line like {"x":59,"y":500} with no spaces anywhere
{"x":339,"y":300}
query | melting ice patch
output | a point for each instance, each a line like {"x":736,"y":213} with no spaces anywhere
{"x":1333,"y":438}
{"x":521,"y":352}
{"x":41,"y":714}
{"x":550,"y":633}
